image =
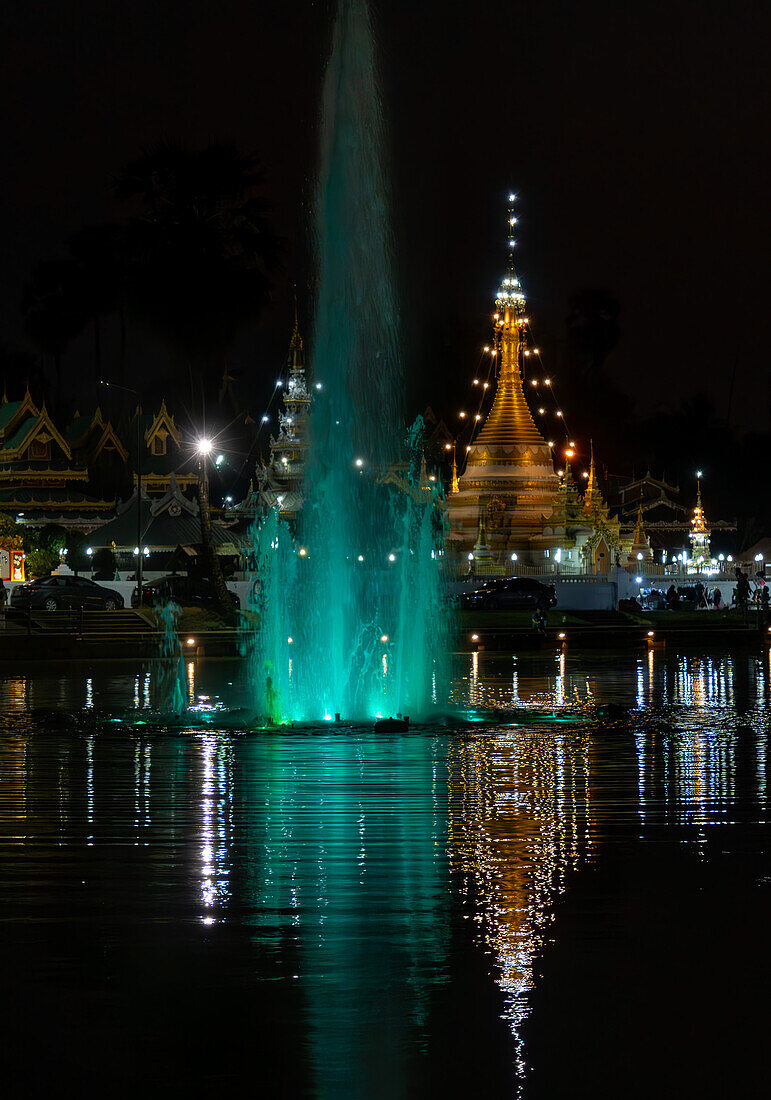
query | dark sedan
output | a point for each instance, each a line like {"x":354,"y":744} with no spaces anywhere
{"x":62,"y":593}
{"x":181,"y":589}
{"x":514,"y":593}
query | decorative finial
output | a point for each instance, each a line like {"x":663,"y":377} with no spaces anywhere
{"x":296,"y":357}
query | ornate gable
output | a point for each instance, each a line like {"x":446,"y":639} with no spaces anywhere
{"x":163,"y":426}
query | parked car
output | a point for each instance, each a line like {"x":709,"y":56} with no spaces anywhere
{"x":182,"y":589}
{"x":56,"y":593}
{"x":511,"y":592}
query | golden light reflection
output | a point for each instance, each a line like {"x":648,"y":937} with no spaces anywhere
{"x":519,"y":825}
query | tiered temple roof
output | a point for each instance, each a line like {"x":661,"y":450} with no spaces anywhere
{"x":279,"y":480}
{"x":509,"y":469}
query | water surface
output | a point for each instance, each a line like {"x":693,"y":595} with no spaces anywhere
{"x":531,"y":908}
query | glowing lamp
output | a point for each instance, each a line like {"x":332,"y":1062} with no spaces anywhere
{"x":189,"y":641}
{"x":561,"y":635}
{"x":471,"y":557}
{"x":474,"y":637}
{"x":361,"y":557}
{"x":204,"y":446}
{"x":89,"y":550}
{"x":302,"y":552}
{"x":514,"y":557}
{"x":650,"y":633}
{"x":359,"y":462}
{"x":639,"y":557}
{"x":290,"y":641}
{"x":392,"y":557}
{"x":383,"y":638}
{"x":638,"y":580}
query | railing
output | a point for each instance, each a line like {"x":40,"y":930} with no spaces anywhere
{"x":652,"y":574}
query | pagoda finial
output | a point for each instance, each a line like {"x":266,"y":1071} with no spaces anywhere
{"x":454,"y":487}
{"x":639,"y":531}
{"x":296,"y":353}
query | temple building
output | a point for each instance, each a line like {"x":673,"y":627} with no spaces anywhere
{"x":163,"y":453}
{"x":700,"y":559}
{"x":279,"y":479}
{"x":508,"y":509}
{"x":58,"y":473}
{"x":509,"y":477}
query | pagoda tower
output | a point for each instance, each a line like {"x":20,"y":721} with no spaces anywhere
{"x":509,"y":461}
{"x":698,"y":536}
{"x":640,"y":547}
{"x":280,"y":479}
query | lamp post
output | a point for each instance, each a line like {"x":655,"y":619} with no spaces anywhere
{"x":204,"y":449}
{"x":139,"y":567}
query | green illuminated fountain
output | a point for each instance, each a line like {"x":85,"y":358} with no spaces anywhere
{"x":355,"y":624}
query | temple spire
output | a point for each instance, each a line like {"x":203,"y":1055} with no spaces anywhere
{"x":510,"y":421}
{"x":454,"y":487}
{"x":296,"y":350}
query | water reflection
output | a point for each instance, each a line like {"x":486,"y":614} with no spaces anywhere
{"x":519,"y":825}
{"x":349,"y":883}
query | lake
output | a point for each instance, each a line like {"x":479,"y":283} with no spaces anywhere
{"x":570,"y":899}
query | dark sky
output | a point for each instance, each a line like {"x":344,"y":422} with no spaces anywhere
{"x":635,"y":133}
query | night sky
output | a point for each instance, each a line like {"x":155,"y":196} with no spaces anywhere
{"x":634,"y":133}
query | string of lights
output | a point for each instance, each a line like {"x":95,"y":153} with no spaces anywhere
{"x":543,"y":386}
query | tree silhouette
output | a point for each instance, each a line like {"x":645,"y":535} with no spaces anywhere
{"x":52,"y":308}
{"x":200,"y":248}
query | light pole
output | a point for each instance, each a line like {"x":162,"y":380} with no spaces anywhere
{"x":139,"y":569}
{"x":204,"y":449}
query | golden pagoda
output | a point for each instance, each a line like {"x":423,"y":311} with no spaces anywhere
{"x":602,"y":549}
{"x":509,"y":461}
